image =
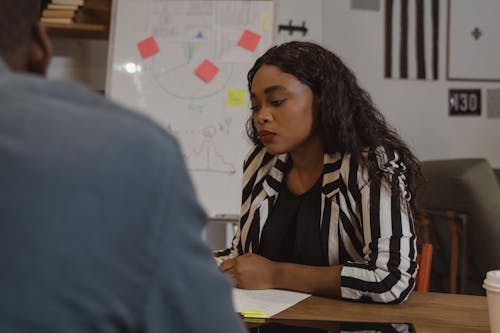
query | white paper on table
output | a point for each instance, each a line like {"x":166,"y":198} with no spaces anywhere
{"x":269,"y":301}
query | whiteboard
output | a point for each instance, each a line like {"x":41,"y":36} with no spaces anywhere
{"x":208,"y":118}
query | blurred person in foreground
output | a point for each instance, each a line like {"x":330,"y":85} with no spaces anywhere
{"x":100,"y":230}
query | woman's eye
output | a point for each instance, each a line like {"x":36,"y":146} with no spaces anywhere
{"x":276,"y":102}
{"x":255,"y":108}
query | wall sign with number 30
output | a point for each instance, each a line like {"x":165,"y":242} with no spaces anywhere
{"x":465,"y":102}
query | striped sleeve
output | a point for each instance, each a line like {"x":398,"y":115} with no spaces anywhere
{"x":386,"y":273}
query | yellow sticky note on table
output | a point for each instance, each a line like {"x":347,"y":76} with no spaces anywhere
{"x":235,"y":98}
{"x":266,"y":21}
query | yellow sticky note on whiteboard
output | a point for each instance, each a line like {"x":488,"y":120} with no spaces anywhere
{"x":235,"y":98}
{"x":266,"y":21}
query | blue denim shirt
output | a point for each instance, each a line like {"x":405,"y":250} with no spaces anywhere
{"x":100,"y":230}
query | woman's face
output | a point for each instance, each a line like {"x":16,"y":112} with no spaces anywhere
{"x":283,"y":111}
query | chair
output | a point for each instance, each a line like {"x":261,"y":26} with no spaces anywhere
{"x":453,"y":224}
{"x":470,"y":188}
{"x":424,"y":261}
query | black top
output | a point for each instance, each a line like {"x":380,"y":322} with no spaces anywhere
{"x":292,"y":232}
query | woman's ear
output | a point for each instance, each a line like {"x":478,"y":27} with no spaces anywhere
{"x":40,"y":50}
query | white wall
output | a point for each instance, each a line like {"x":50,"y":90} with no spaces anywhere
{"x":417,"y":109}
{"x":83,"y":60}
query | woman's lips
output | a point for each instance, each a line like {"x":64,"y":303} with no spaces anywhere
{"x":266,"y":136}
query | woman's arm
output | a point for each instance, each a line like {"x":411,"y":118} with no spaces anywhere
{"x":251,"y":271}
{"x":387,"y":272}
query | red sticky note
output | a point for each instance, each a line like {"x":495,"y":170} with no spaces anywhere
{"x":148,"y":47}
{"x":249,"y":40}
{"x":206,"y":70}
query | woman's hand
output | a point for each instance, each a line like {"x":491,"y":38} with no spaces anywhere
{"x":250,"y":271}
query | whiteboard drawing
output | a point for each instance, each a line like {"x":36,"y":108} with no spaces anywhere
{"x":209,"y":125}
{"x":206,"y":157}
{"x":178,"y":62}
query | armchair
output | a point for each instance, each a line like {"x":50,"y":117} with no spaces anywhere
{"x":468,"y":187}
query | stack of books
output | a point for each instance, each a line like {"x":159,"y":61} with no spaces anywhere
{"x":77,"y":11}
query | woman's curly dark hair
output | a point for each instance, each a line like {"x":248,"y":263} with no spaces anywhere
{"x":348,"y":121}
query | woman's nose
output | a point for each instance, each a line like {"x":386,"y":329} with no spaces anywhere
{"x":263,"y":116}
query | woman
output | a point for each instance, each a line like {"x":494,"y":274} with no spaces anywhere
{"x":327,"y":205}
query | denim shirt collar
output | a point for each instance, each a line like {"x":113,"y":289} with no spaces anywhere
{"x":3,"y":67}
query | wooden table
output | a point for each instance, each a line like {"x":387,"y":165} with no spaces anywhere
{"x":429,"y":312}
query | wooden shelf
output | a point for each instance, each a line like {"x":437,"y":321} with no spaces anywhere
{"x":78,"y":30}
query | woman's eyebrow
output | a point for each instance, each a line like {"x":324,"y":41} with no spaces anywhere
{"x":268,"y":90}
{"x":271,"y":89}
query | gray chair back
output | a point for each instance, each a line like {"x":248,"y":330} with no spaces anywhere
{"x":469,"y":186}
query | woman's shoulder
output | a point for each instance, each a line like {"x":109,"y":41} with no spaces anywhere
{"x":388,"y":159}
{"x":256,"y":153}
{"x":385,"y":159}
{"x":257,"y":157}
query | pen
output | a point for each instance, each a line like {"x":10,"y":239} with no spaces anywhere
{"x":218,"y":260}
{"x":253,"y":314}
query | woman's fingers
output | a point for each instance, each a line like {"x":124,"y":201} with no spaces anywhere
{"x":227,"y":264}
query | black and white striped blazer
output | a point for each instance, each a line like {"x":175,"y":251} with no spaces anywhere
{"x":363,"y":227}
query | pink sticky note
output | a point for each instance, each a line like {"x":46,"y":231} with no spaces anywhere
{"x":148,"y":47}
{"x":249,"y":40}
{"x":206,"y":70}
